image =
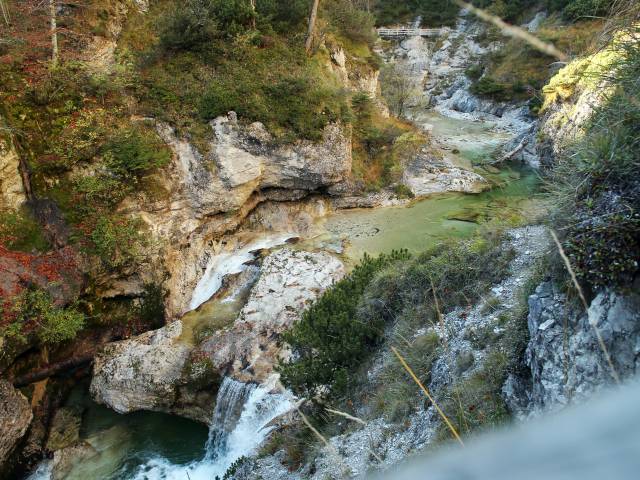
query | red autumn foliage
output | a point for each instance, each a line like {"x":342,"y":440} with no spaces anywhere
{"x":58,"y":272}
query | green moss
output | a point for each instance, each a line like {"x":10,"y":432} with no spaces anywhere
{"x":20,"y":231}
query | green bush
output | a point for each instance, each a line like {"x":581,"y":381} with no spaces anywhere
{"x":576,"y":9}
{"x":331,"y":339}
{"x":509,"y":10}
{"x":488,"y":87}
{"x":191,"y":25}
{"x":134,"y":152}
{"x":283,"y":17}
{"x":34,"y":309}
{"x":341,"y":329}
{"x":351,"y":22}
{"x":292,"y":103}
{"x":116,"y":241}
{"x":99,"y":192}
{"x":19,"y":231}
{"x":434,"y":13}
{"x":151,"y":308}
{"x":474,"y":72}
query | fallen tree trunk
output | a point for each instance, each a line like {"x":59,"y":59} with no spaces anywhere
{"x":52,"y":370}
{"x":514,"y":152}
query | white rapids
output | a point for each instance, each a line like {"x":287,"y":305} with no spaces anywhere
{"x":241,"y":422}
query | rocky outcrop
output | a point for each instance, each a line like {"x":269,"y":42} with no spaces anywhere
{"x":358,"y":78}
{"x":207,"y":196}
{"x":289,"y":281}
{"x":425,"y":176}
{"x":15,"y":418}
{"x":151,"y":372}
{"x":570,"y":100}
{"x":12,"y":192}
{"x":160,"y":371}
{"x":567,"y":362}
{"x":243,"y":161}
{"x":381,"y":443}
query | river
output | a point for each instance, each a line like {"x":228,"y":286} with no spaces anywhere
{"x":157,"y":446}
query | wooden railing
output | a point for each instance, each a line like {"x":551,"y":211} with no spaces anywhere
{"x":411,"y":32}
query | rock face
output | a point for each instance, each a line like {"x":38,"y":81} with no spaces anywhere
{"x":566,"y":360}
{"x":158,"y":371}
{"x":438,"y":73}
{"x":246,"y":160}
{"x":149,"y":372}
{"x":210,"y":195}
{"x":15,"y":418}
{"x":564,"y":118}
{"x":12,"y":193}
{"x":289,"y":281}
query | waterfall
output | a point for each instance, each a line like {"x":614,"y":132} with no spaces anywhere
{"x":230,"y":262}
{"x":240,"y":424}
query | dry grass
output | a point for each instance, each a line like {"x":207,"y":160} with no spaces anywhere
{"x":426,"y":392}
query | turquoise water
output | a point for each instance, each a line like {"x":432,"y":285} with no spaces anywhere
{"x":426,"y":222}
{"x":121,"y":443}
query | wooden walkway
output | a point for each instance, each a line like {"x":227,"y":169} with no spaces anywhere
{"x":411,"y":32}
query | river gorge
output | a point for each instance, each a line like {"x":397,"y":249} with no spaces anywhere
{"x":229,"y":257}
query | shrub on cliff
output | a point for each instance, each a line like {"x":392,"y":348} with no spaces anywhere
{"x":34,"y":311}
{"x":576,"y":9}
{"x":117,"y":241}
{"x":135,"y":151}
{"x":350,"y":21}
{"x":330,"y":338}
{"x":596,"y":181}
{"x":434,"y":13}
{"x":343,"y":328}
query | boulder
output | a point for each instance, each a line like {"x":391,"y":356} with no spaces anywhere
{"x":289,"y":282}
{"x":150,"y":372}
{"x":425,"y":175}
{"x":15,"y":418}
{"x":566,"y":360}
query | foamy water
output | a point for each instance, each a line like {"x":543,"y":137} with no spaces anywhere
{"x":229,"y":263}
{"x":240,"y":425}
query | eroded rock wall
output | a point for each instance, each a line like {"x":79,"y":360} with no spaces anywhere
{"x":12,"y":192}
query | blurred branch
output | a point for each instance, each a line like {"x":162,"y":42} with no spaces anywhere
{"x":513,"y":31}
{"x":5,"y":12}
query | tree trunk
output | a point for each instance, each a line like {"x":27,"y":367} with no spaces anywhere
{"x":253,"y":20}
{"x":312,"y":26}
{"x":54,"y":33}
{"x":51,"y":370}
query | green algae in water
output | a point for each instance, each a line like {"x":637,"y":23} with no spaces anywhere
{"x":428,"y":221}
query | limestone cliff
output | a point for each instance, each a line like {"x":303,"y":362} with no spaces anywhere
{"x":12,"y":192}
{"x":164,"y":371}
